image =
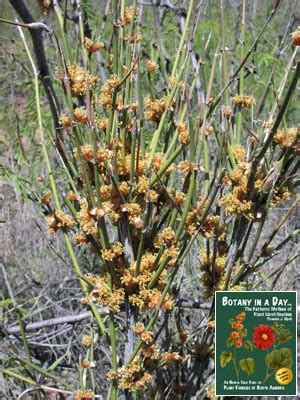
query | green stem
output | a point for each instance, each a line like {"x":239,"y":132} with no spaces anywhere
{"x":53,"y":185}
{"x":206,"y":165}
{"x":115,"y":37}
{"x":187,"y":204}
{"x":157,"y":133}
{"x":114,"y":361}
{"x":166,"y":165}
{"x":224,"y":55}
{"x":235,"y":365}
{"x":241,"y":91}
{"x":183,"y":37}
{"x":142,"y":240}
{"x":60,"y":20}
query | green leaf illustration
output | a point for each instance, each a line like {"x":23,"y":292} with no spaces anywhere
{"x":225,"y":358}
{"x":279,"y":358}
{"x":230,"y":342}
{"x":283,"y":334}
{"x":244,"y":332}
{"x":248,"y":345}
{"x":247,"y":365}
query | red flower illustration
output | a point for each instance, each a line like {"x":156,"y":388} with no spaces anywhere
{"x":237,"y":326}
{"x":263,"y":337}
{"x":234,"y":335}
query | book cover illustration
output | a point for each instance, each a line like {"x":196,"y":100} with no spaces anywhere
{"x":255,"y":351}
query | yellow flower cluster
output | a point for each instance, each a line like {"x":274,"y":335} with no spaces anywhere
{"x":134,"y":38}
{"x":107,"y":90}
{"x":236,"y":176}
{"x":239,"y":152}
{"x":243,"y":101}
{"x":151,"y":66}
{"x":106,"y":96}
{"x":128,"y":16}
{"x":87,"y":152}
{"x":289,"y":139}
{"x":237,"y":203}
{"x":149,"y":349}
{"x":72,"y":196}
{"x":123,"y":164}
{"x":102,"y":123}
{"x":179,"y":198}
{"x":185,"y":167}
{"x":59,"y":220}
{"x":101,"y":156}
{"x":212,"y":226}
{"x":296,"y":37}
{"x":87,"y":340}
{"x":79,"y":79}
{"x":80,"y":238}
{"x":146,"y":336}
{"x":133,"y":377}
{"x":65,"y":121}
{"x":158,"y":160}
{"x":227,"y":112}
{"x":213,"y":271}
{"x":172,"y":82}
{"x":142,"y":186}
{"x":170,"y":356}
{"x":85,"y":364}
{"x":156,"y":108}
{"x":80,"y":115}
{"x":208,"y":130}
{"x":147,"y":263}
{"x":280,"y":196}
{"x":84,"y":395}
{"x":104,"y":295}
{"x":137,"y":285}
{"x":184,"y":136}
{"x":149,"y":299}
{"x":45,"y":5}
{"x":91,"y":46}
{"x":194,"y":218}
{"x":112,"y":203}
{"x":46,"y":198}
{"x":165,"y":238}
{"x":210,"y":392}
{"x":115,"y":251}
{"x":134,"y":213}
{"x":86,"y":221}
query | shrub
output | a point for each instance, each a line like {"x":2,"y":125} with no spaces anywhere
{"x":161,"y":151}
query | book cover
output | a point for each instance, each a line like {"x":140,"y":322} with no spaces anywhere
{"x":255,"y":350}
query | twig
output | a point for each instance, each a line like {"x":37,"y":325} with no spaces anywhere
{"x":69,"y":319}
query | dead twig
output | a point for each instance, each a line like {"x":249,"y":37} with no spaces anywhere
{"x":69,"y":319}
